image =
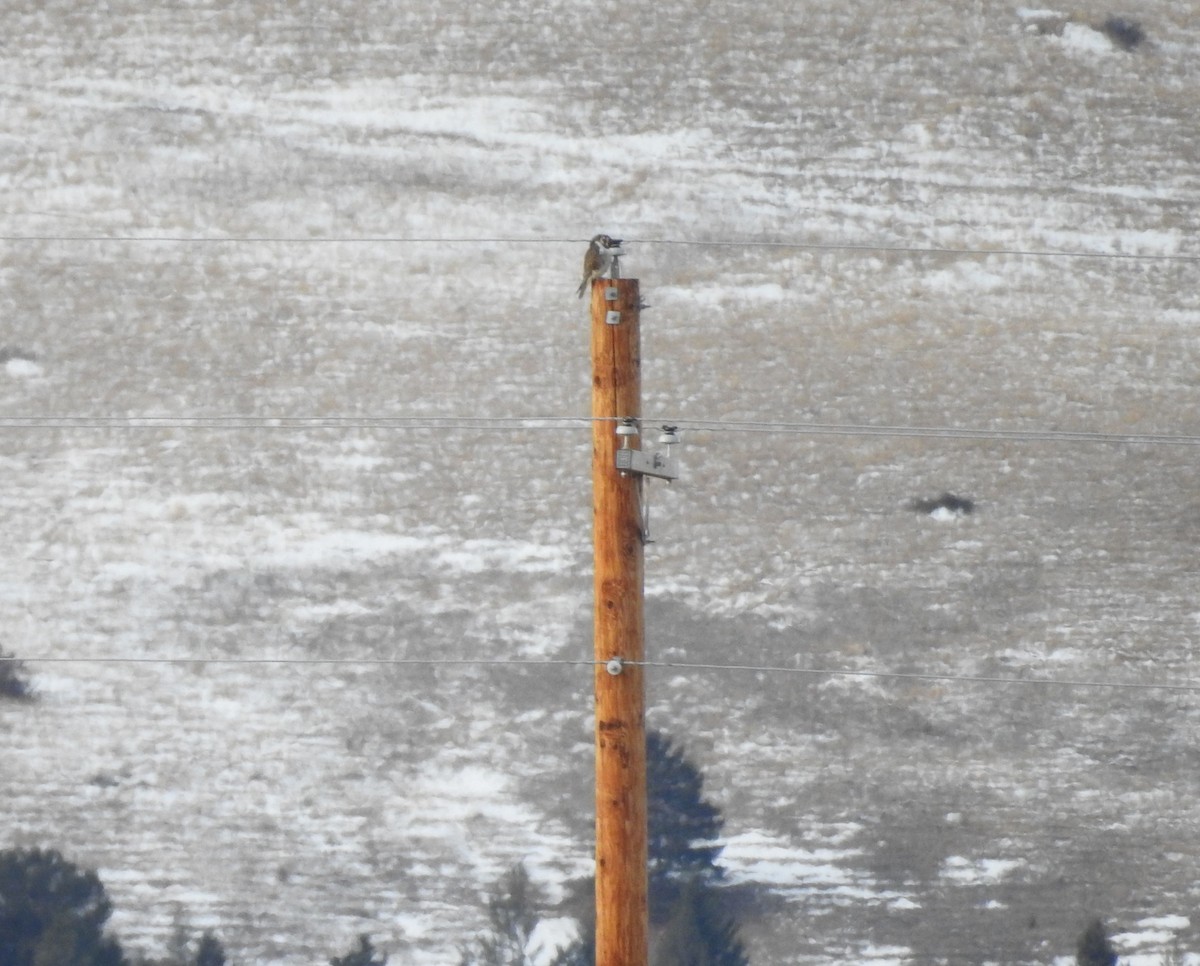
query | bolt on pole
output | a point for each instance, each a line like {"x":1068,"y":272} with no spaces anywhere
{"x":622,"y":924}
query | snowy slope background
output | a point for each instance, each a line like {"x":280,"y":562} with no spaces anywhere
{"x":286,"y":154}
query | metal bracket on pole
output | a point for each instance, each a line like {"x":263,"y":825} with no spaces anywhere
{"x":612,"y":316}
{"x":657,"y":463}
{"x":611,"y":292}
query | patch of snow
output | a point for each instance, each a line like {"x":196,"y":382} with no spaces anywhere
{"x":978,"y":871}
{"x":549,"y":937}
{"x":20,"y":368}
{"x":1081,"y":38}
{"x":872,"y":955}
{"x":1174,"y":923}
{"x":1156,"y":931}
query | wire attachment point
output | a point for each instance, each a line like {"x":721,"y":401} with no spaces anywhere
{"x":660,"y":463}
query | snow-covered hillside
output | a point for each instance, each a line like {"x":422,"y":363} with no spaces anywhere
{"x":219,"y":218}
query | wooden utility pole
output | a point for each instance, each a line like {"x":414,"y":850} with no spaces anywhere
{"x":622,"y":925}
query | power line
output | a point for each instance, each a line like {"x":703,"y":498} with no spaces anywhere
{"x":998,"y":680}
{"x":833,"y":247}
{"x":287,"y":240}
{"x":917,"y":249}
{"x":935,"y":432}
{"x":509,"y":424}
{"x":931,"y":676}
{"x":298,"y":661}
{"x":248,"y":421}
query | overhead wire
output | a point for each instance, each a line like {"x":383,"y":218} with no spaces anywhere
{"x":249,"y":421}
{"x":927,"y":676}
{"x":298,"y":661}
{"x":780,"y":244}
{"x":518,"y":423}
{"x":931,"y":432}
{"x":880,"y":674}
{"x":857,"y":247}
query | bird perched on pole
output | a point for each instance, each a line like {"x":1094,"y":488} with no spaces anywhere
{"x":598,"y":261}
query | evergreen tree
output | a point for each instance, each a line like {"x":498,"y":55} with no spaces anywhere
{"x":364,"y":955}
{"x":14,"y":682}
{"x":681,"y":859}
{"x":698,"y":932}
{"x":52,"y":913}
{"x":210,"y":952}
{"x":512,"y":916}
{"x":1094,"y":949}
{"x":681,"y":825}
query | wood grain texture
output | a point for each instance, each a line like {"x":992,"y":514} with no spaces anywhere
{"x":621,"y":917}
